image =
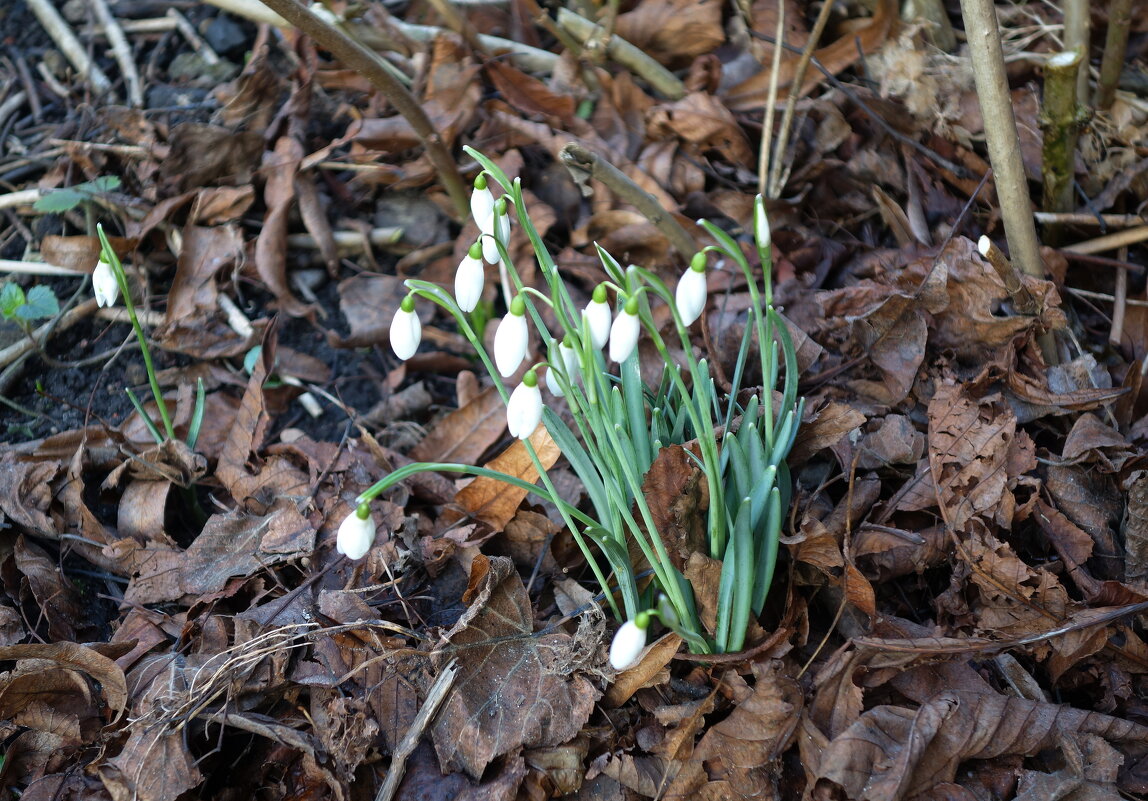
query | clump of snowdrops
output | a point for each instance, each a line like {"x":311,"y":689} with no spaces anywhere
{"x":620,"y":425}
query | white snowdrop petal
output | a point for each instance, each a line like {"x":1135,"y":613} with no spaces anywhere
{"x":356,"y":536}
{"x":690,"y":296}
{"x":104,"y":285}
{"x":468,"y":283}
{"x":524,"y":410}
{"x":627,"y":645}
{"x":406,"y":333}
{"x":510,"y":341}
{"x":597,"y":316}
{"x":624,"y":336}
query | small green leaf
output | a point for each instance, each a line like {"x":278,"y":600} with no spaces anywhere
{"x":59,"y":200}
{"x":11,"y":299}
{"x":41,"y":303}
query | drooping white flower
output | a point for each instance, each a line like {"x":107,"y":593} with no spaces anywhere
{"x":624,"y":332}
{"x":524,"y":409}
{"x":597,"y":316}
{"x":482,"y":205}
{"x":104,"y":284}
{"x":511,"y":339}
{"x":469,"y":279}
{"x":690,"y":296}
{"x":760,"y":223}
{"x":499,"y":229}
{"x":406,"y":330}
{"x":356,"y":533}
{"x":570,"y":365}
{"x":629,"y":642}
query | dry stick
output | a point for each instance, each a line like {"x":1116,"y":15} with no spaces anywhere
{"x":435,"y":696}
{"x":1023,"y":300}
{"x":1004,"y":144}
{"x":1109,"y":220}
{"x":202,"y":48}
{"x":121,"y":51}
{"x":660,"y":78}
{"x":363,"y":61}
{"x":940,"y":29}
{"x":1077,"y":33}
{"x":577,"y":157}
{"x":253,"y":10}
{"x":770,"y":102}
{"x":1115,"y":45}
{"x":1084,"y":293}
{"x":1059,"y":123}
{"x":776,"y":183}
{"x":1120,"y":292}
{"x":1111,"y":241}
{"x":30,"y":89}
{"x":75,"y":52}
{"x":525,"y":57}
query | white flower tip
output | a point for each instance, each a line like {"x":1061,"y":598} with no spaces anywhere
{"x":624,"y":336}
{"x":690,"y":296}
{"x":356,"y":535}
{"x":627,"y":645}
{"x":406,"y":330}
{"x":104,"y":285}
{"x":524,"y":409}
{"x":511,"y":339}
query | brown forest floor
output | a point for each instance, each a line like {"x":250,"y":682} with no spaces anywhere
{"x":958,"y":614}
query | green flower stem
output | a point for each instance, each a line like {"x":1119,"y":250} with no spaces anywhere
{"x":125,"y":291}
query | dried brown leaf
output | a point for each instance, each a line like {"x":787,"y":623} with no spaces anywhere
{"x":514,"y":688}
{"x":893,"y":752}
{"x":281,"y":168}
{"x":495,"y":502}
{"x":673,"y":31}
{"x":675,"y":490}
{"x":466,"y":433}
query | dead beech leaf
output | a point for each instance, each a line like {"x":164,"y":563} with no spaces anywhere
{"x":1136,"y":526}
{"x":822,"y":428}
{"x":528,"y":94}
{"x":1016,"y":600}
{"x":43,"y":587}
{"x":154,"y":765}
{"x":701,"y":120}
{"x":74,"y":252}
{"x":495,"y":502}
{"x":466,"y":433}
{"x":893,"y":336}
{"x":892,"y":752}
{"x":649,"y":671}
{"x":675,"y":489}
{"x":754,"y":734}
{"x":205,"y":155}
{"x":66,"y":655}
{"x":369,"y":303}
{"x":514,"y":688}
{"x":969,"y":444}
{"x":673,"y":31}
{"x":281,"y":168}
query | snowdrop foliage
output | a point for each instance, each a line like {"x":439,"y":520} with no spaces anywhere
{"x":104,"y":284}
{"x":406,"y":330}
{"x":612,"y":426}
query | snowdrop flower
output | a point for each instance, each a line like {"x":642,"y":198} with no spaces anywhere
{"x":524,"y":409}
{"x":406,"y":330}
{"x":356,"y":533}
{"x":482,"y":205}
{"x":469,"y":278}
{"x":104,"y":284}
{"x":629,"y":641}
{"x":499,"y":230}
{"x":511,"y":339}
{"x":569,"y":358}
{"x":597,"y":317}
{"x":624,"y":332}
{"x":760,"y":223}
{"x":690,"y":296}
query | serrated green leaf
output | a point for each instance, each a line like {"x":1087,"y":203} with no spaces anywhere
{"x":40,"y":304}
{"x":11,"y":299}
{"x":59,"y":200}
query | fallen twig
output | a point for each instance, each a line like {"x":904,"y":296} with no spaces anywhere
{"x":121,"y":51}
{"x":69,"y":45}
{"x":633,"y":58}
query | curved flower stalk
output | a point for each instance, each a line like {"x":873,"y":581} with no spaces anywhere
{"x":620,"y":425}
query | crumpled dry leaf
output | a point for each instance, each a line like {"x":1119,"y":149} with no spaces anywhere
{"x":495,"y":502}
{"x":674,"y":32}
{"x":466,"y":433}
{"x":514,"y":688}
{"x":893,"y":752}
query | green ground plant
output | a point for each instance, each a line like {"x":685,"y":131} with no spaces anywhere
{"x":738,"y":440}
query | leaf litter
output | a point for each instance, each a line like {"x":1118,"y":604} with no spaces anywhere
{"x":960,"y":607}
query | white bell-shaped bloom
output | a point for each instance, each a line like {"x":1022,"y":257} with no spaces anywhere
{"x":406,"y":330}
{"x":500,"y":230}
{"x":597,"y":318}
{"x":761,"y":223}
{"x":570,"y":365}
{"x":104,"y":284}
{"x":624,"y":332}
{"x":690,"y":296}
{"x":356,"y":533}
{"x":482,"y":205}
{"x":629,"y":642}
{"x":524,"y":409}
{"x":469,"y":279}
{"x":511,"y":339}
